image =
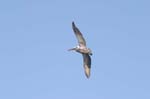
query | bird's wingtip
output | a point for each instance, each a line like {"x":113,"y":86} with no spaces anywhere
{"x":87,"y":71}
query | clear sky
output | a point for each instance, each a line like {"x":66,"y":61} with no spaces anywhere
{"x":36,"y":34}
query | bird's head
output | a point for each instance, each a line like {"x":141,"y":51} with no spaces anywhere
{"x":74,"y":48}
{"x":71,"y":49}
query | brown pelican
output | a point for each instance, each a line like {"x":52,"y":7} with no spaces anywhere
{"x":81,"y":48}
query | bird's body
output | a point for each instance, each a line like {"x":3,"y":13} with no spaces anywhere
{"x":81,"y":48}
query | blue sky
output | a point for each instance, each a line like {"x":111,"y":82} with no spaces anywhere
{"x":35,"y":36}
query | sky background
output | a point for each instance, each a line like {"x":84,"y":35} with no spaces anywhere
{"x":36,"y":34}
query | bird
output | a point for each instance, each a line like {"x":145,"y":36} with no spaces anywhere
{"x":82,"y":49}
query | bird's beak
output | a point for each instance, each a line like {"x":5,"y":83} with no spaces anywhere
{"x":71,"y":49}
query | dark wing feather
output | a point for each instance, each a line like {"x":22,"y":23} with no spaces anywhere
{"x":87,"y":64}
{"x":79,"y":35}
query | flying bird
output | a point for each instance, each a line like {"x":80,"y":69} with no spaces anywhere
{"x":81,"y":48}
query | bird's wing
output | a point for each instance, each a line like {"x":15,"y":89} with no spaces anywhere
{"x":87,"y":64}
{"x":79,"y":35}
